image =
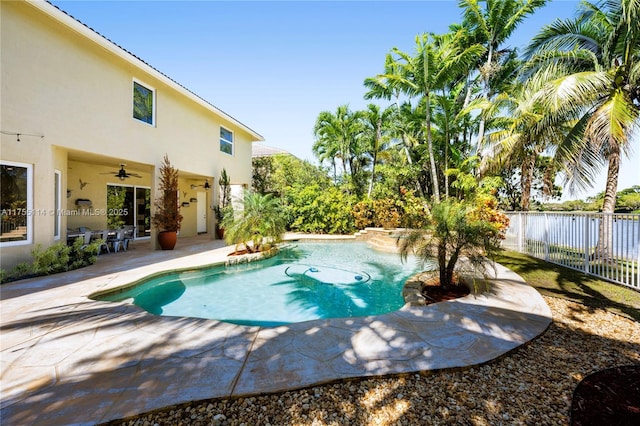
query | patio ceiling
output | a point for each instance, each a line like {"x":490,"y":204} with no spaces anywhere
{"x":103,"y":160}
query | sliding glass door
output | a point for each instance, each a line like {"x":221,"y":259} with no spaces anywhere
{"x":129,"y":206}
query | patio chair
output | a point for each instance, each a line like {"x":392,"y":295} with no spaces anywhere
{"x":119,"y":242}
{"x":87,"y":239}
{"x":129,"y":233}
{"x":104,"y":238}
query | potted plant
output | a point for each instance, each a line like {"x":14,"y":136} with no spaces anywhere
{"x":224,"y":208}
{"x":167,"y":217}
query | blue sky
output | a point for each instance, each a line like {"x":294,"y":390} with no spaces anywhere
{"x":276,"y":65}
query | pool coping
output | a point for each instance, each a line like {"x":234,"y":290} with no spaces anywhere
{"x":67,"y":359}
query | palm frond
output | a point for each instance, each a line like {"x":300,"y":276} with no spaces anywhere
{"x":610,"y":125}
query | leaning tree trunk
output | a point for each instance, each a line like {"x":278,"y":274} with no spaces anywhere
{"x":604,"y":249}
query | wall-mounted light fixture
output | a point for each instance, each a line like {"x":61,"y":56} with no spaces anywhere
{"x":205,"y":185}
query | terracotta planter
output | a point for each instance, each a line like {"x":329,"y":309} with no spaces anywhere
{"x":167,"y":239}
{"x":220,"y":232}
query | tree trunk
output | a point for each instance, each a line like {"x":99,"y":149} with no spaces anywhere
{"x":375,"y":155}
{"x":432,"y":160}
{"x":604,"y":249}
{"x":373,"y":174}
{"x":485,"y":95}
{"x":526,"y":179}
{"x":442,"y":264}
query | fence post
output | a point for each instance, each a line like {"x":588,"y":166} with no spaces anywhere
{"x":587,"y":244}
{"x":546,"y":237}
{"x":520,"y":233}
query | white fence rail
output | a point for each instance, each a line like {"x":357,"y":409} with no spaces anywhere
{"x":574,"y":240}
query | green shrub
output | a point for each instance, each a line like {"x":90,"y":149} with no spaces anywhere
{"x":405,"y":210}
{"x":51,"y":260}
{"x":363,"y":214}
{"x":415,"y":212}
{"x":80,"y":257}
{"x":386,"y":213}
{"x":56,"y":258}
{"x":316,"y":210}
{"x":21,"y":270}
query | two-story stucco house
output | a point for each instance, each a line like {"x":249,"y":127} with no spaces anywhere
{"x":84,"y":127}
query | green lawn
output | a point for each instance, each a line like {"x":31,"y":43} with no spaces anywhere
{"x":557,"y":281}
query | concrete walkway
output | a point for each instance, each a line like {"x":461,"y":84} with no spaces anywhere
{"x":69,"y":360}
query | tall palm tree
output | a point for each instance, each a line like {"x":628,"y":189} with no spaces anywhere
{"x":520,"y":137}
{"x":591,"y":67}
{"x":326,"y":148}
{"x":452,"y":123}
{"x":436,"y":59}
{"x":336,"y":136}
{"x":376,"y":124}
{"x":491,"y":26}
{"x":385,"y":86}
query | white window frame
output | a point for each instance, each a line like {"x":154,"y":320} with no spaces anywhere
{"x":29,"y":219}
{"x":57,"y":201}
{"x":153,"y":106}
{"x":231,"y":142}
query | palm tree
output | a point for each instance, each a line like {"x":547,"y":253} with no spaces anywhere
{"x":591,"y":67}
{"x":337,"y":135}
{"x":437,"y":59}
{"x":452,"y":122}
{"x":386,"y":86}
{"x":456,"y":229}
{"x":521,"y":136}
{"x":260,"y":225}
{"x":376,"y":124}
{"x":492,"y":26}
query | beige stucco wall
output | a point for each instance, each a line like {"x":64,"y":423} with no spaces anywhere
{"x":78,"y":94}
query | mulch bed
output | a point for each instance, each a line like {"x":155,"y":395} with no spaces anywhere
{"x":608,"y":397}
{"x":433,"y":293}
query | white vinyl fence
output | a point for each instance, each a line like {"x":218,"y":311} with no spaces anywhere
{"x":574,"y":240}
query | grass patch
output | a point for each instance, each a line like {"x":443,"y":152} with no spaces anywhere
{"x":557,"y":281}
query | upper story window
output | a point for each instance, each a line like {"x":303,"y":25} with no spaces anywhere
{"x":15,"y":202}
{"x":143,"y":103}
{"x":226,"y":141}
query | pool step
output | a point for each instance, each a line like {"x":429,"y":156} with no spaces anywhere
{"x":380,"y":239}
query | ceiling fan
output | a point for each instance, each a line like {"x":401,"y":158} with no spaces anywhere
{"x":122,"y":174}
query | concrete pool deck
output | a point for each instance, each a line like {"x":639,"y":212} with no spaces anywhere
{"x":67,"y":359}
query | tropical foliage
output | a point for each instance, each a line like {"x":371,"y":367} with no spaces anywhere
{"x":566,"y":107}
{"x":57,"y":258}
{"x":457,"y":229}
{"x":463,"y":109}
{"x":258,"y":226}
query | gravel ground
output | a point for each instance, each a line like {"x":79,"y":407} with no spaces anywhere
{"x":531,"y":385}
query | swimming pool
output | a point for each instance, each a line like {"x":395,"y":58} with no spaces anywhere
{"x":305,"y":281}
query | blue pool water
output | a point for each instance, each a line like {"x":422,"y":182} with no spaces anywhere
{"x":305,"y":281}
